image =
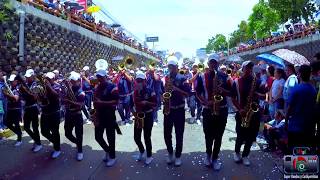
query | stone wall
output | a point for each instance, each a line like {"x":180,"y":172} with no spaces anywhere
{"x":49,"y":45}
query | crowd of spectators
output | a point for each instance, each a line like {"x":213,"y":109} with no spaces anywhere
{"x":293,"y":32}
{"x":77,"y":15}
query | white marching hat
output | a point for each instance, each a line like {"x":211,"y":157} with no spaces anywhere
{"x":86,"y":68}
{"x":215,"y":57}
{"x":29,"y":73}
{"x":50,"y":75}
{"x":140,"y":75}
{"x":74,"y":76}
{"x":172,"y":60}
{"x":12,"y":77}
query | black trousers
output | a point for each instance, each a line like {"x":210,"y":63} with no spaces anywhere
{"x":175,"y":119}
{"x":213,"y":128}
{"x":147,"y":129}
{"x":50,"y":128}
{"x":74,"y":121}
{"x":31,"y":117}
{"x":107,"y":124}
{"x":246,"y":135}
{"x":12,"y":122}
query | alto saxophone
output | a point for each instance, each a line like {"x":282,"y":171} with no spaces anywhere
{"x":139,"y":119}
{"x":251,"y":107}
{"x":166,"y":97}
{"x":217,"y":98}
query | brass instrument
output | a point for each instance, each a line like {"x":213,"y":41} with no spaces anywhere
{"x":152,"y":64}
{"x":216,"y":97}
{"x":7,"y":88}
{"x":24,"y":84}
{"x":166,"y":97}
{"x":251,"y":106}
{"x":201,"y":67}
{"x":67,"y":88}
{"x":127,"y":63}
{"x":139,"y":119}
{"x":182,"y":72}
{"x":41,"y":90}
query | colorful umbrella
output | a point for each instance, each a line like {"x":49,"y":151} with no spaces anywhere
{"x":271,"y":59}
{"x":291,"y":57}
{"x":93,"y":9}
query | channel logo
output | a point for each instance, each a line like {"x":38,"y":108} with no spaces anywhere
{"x":307,"y":164}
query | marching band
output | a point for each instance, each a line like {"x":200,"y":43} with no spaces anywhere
{"x":208,"y":88}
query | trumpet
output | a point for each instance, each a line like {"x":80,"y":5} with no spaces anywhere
{"x":152,"y":64}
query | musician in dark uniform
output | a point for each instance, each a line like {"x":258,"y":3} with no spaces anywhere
{"x":14,"y":109}
{"x":176,"y":117}
{"x":31,"y":111}
{"x":144,"y":99}
{"x":50,"y":116}
{"x":210,"y":84}
{"x":247,"y":87}
{"x":87,"y":87}
{"x":74,"y":101}
{"x":106,"y":98}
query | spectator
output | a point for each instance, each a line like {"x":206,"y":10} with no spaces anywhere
{"x":301,"y":112}
{"x":291,"y":82}
{"x":274,"y":130}
{"x":276,"y":93}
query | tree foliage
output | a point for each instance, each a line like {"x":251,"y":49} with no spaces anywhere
{"x":294,"y":10}
{"x":263,"y":20}
{"x":239,"y":35}
{"x":217,"y":43}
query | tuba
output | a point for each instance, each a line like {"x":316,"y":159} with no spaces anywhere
{"x":166,"y":96}
{"x":251,"y":106}
{"x":216,"y":97}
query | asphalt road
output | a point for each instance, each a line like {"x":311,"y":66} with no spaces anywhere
{"x":21,"y":163}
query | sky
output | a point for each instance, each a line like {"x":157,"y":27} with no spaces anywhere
{"x":181,"y":25}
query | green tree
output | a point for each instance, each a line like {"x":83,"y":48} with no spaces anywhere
{"x":217,"y":43}
{"x":262,"y":21}
{"x":294,"y":10}
{"x":239,"y":35}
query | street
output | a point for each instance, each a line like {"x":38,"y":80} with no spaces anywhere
{"x":21,"y":163}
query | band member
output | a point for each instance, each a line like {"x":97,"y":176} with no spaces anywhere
{"x":154,"y":82}
{"x":194,"y":101}
{"x":88,"y":89}
{"x":145,"y":102}
{"x":212,"y":89}
{"x":13,"y":108}
{"x":124,"y":82}
{"x":246,"y":92}
{"x":176,"y":90}
{"x":50,"y":116}
{"x":31,"y":111}
{"x":74,"y":100}
{"x":106,"y":99}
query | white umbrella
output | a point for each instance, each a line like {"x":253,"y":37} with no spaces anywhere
{"x":291,"y":57}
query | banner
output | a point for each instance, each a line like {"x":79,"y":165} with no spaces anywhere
{"x":83,"y":3}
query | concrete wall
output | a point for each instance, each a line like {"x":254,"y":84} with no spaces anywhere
{"x":53,"y":43}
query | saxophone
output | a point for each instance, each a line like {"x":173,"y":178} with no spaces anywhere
{"x":251,"y":106}
{"x":41,"y":90}
{"x":166,"y":96}
{"x":216,"y":97}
